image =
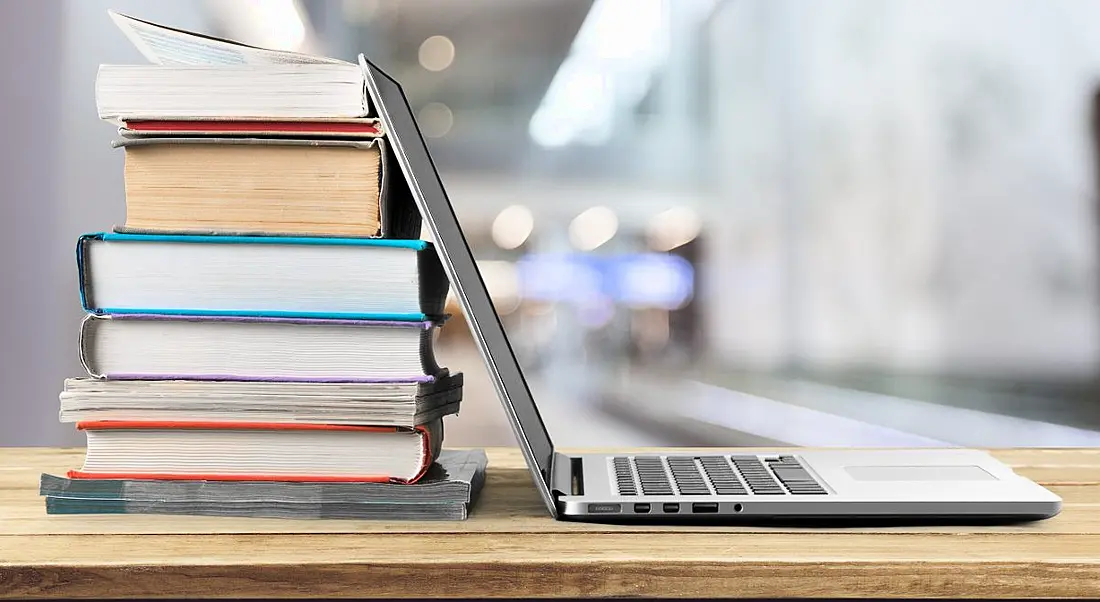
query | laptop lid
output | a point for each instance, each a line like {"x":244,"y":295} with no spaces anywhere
{"x":427,"y":191}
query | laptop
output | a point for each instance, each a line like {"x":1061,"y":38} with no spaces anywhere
{"x":718,"y":485}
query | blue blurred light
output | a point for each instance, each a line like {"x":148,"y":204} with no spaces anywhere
{"x":644,"y":279}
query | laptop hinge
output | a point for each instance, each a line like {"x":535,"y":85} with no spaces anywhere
{"x":562,"y":477}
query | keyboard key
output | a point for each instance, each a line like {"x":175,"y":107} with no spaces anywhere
{"x":718,"y":475}
{"x":757,"y":476}
{"x":624,"y":478}
{"x":652,"y":476}
{"x":797,"y":479}
{"x":722,"y":476}
{"x":792,"y":474}
{"x":687,"y":476}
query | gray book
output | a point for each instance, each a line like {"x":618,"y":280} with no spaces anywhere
{"x":380,"y":403}
{"x":299,"y":510}
{"x":446,"y":492}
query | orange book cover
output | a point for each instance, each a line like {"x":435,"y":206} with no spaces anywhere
{"x":426,"y":450}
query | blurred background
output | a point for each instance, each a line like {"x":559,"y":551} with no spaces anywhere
{"x":703,"y":222}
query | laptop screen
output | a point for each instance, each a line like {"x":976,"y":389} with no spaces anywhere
{"x":427,"y":189}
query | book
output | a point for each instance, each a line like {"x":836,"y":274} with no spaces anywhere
{"x":448,"y":491}
{"x":180,"y":347}
{"x":263,"y":185}
{"x":269,"y":276}
{"x":382,"y":404}
{"x":194,"y":75}
{"x":356,"y":128}
{"x":260,"y":335}
{"x":163,"y":45}
{"x":255,"y":451}
{"x":454,"y":478}
{"x":286,"y":510}
{"x":272,"y":91}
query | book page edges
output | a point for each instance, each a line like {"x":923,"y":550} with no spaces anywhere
{"x":386,"y":230}
{"x":429,"y":450}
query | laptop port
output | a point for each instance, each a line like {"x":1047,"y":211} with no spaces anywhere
{"x":738,"y":507}
{"x":704,"y":507}
{"x":641,"y":508}
{"x":670,"y":508}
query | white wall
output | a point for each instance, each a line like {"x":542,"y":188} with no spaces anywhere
{"x":31,"y":52}
{"x":61,"y":179}
{"x":906,"y":184}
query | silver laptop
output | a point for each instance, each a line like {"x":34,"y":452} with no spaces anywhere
{"x":718,"y":485}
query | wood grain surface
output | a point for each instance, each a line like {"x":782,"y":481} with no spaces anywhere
{"x":510,"y":547}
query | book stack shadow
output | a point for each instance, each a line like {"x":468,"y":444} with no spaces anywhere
{"x":259,"y":334}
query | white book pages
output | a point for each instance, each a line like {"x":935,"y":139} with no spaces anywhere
{"x":319,"y":453}
{"x":170,"y":46}
{"x":254,"y":349}
{"x":383,"y":404}
{"x":267,"y":278}
{"x":194,"y":76}
{"x":291,"y":92}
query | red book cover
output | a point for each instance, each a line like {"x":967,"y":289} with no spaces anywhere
{"x":360,"y":128}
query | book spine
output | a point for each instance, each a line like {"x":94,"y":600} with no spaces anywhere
{"x":83,"y":270}
{"x":428,"y":363}
{"x":433,"y":282}
{"x":399,"y":214}
{"x":385,"y":228}
{"x":86,"y":344}
{"x":431,"y":441}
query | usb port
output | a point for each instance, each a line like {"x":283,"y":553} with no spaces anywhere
{"x":704,"y":507}
{"x":670,"y":508}
{"x":641,"y":508}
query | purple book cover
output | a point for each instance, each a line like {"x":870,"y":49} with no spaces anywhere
{"x":87,"y":328}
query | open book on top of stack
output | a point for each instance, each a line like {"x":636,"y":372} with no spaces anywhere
{"x":226,"y":138}
{"x":266,"y":314}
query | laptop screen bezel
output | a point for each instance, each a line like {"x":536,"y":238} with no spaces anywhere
{"x":392,"y":107}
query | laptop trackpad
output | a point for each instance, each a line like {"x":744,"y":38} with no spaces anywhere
{"x":918,"y":473}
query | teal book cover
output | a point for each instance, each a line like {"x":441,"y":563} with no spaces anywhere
{"x":260,"y":276}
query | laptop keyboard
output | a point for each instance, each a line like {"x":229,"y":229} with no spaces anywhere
{"x":707,"y":475}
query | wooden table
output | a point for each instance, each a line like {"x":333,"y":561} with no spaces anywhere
{"x":510,"y":547}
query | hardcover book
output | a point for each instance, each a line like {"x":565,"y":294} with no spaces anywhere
{"x":184,"y":347}
{"x":192,"y":75}
{"x":311,"y":187}
{"x":257,"y":451}
{"x":353,"y":278}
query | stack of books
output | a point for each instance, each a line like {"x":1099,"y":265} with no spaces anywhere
{"x":265,"y":318}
